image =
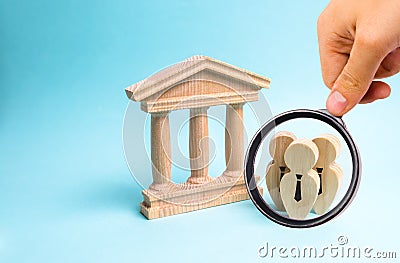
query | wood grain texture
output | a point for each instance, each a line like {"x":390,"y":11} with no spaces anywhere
{"x":170,"y":76}
{"x":161,"y":152}
{"x":199,"y":146}
{"x":277,"y":168}
{"x":329,"y":172}
{"x":190,"y":197}
{"x":299,"y":187}
{"x":234,"y":140}
{"x":198,"y":93}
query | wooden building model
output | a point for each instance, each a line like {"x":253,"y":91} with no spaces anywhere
{"x":196,"y":84}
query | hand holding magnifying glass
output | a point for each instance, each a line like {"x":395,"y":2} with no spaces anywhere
{"x":358,"y":41}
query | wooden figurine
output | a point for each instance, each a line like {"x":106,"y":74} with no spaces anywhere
{"x":329,"y":172}
{"x":299,"y":188}
{"x":278,"y":168}
{"x":195,"y":84}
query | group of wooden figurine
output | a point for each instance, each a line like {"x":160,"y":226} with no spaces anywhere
{"x":303,"y":174}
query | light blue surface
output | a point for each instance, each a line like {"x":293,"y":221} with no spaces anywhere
{"x":66,"y":194}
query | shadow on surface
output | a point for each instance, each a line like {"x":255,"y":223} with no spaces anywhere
{"x":105,"y":196}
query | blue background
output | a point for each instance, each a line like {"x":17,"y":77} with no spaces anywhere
{"x":66,"y":194}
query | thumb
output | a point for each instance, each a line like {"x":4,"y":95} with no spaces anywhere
{"x":356,"y":77}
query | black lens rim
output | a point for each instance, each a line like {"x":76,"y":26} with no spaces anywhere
{"x":321,"y":115}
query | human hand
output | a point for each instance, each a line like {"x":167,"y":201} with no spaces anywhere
{"x":358,"y":42}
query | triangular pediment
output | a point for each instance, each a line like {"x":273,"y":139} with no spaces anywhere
{"x":194,"y":69}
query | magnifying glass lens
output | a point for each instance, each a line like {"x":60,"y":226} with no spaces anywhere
{"x":306,"y":168}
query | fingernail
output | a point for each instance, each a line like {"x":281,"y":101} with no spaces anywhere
{"x":336,"y":103}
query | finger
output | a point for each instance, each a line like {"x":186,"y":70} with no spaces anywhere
{"x":390,"y":65}
{"x":334,"y":51}
{"x":332,"y":64}
{"x":356,"y":77}
{"x":378,"y":90}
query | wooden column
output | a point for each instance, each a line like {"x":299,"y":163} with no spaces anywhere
{"x":160,"y":151}
{"x":234,"y":140}
{"x":198,"y":146}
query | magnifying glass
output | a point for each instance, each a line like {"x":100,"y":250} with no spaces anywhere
{"x":301,"y":187}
